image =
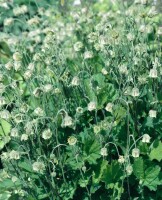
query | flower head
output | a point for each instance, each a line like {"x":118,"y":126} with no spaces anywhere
{"x":38,"y":166}
{"x":146,"y":138}
{"x":72,"y":140}
{"x":152,"y":113}
{"x":135,"y":153}
{"x":47,"y":134}
{"x":103,"y":152}
{"x":92,"y":106}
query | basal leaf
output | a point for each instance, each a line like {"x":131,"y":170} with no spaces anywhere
{"x":138,"y":168}
{"x":156,"y":152}
{"x":151,"y":178}
{"x":92,"y":150}
{"x":112,"y":173}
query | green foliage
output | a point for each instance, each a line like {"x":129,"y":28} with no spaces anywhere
{"x":156,"y":152}
{"x":80,"y":100}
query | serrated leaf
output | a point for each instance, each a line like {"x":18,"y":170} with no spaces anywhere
{"x":151,"y":179}
{"x":83,"y":182}
{"x":5,"y":127}
{"x":92,"y":150}
{"x":112,"y":173}
{"x":156,"y":153}
{"x":149,"y":122}
{"x":25,"y":166}
{"x":98,"y":171}
{"x":138,"y":168}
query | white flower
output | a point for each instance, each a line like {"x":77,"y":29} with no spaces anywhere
{"x":146,"y":138}
{"x":135,"y":153}
{"x":8,"y":21}
{"x":92,"y":106}
{"x":14,"y":179}
{"x":17,"y":56}
{"x":135,"y":92}
{"x":24,"y":137}
{"x":104,"y":71}
{"x":152,"y":12}
{"x":2,"y":88}
{"x":67,"y":121}
{"x":33,"y":21}
{"x":14,"y":132}
{"x":14,"y":155}
{"x":78,"y":46}
{"x":130,"y":36}
{"x":5,"y":114}
{"x":76,"y":3}
{"x":129,"y":169}
{"x":84,"y":169}
{"x":47,"y":134}
{"x":27,"y":74}
{"x":103,"y":152}
{"x":153,"y":73}
{"x":57,"y":91}
{"x":48,"y":88}
{"x":2,"y":101}
{"x":123,"y":69}
{"x":121,"y":159}
{"x":37,"y":92}
{"x":142,"y":28}
{"x":109,"y":107}
{"x":72,"y":140}
{"x":17,"y":65}
{"x":96,"y":129}
{"x":31,"y":66}
{"x":152,"y":113}
{"x":1,"y":76}
{"x":38,"y":166}
{"x":88,"y":54}
{"x":79,"y":110}
{"x":38,"y":111}
{"x":144,"y":2}
{"x":75,"y":81}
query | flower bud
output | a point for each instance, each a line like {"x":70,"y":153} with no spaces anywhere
{"x":72,"y":140}
{"x":75,"y":81}
{"x":103,"y":152}
{"x":92,"y":106}
{"x":152,"y":113}
{"x":104,"y":71}
{"x":24,"y":137}
{"x":109,"y":107}
{"x":17,"y":56}
{"x":146,"y":138}
{"x":135,"y":92}
{"x":47,"y":134}
{"x":67,"y":121}
{"x":153,"y":73}
{"x":121,"y":159}
{"x":14,"y":155}
{"x":129,"y":169}
{"x":135,"y":153}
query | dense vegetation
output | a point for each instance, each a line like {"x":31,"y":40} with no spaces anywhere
{"x":80,"y":100}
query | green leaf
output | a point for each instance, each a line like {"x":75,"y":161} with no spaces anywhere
{"x":138,"y":168}
{"x":149,"y":122}
{"x":98,"y":171}
{"x":92,"y":150}
{"x":106,"y":94}
{"x":112,"y":173}
{"x":151,"y":179}
{"x":5,"y":127}
{"x":83,"y":182}
{"x":156,"y":152}
{"x":25,"y":166}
